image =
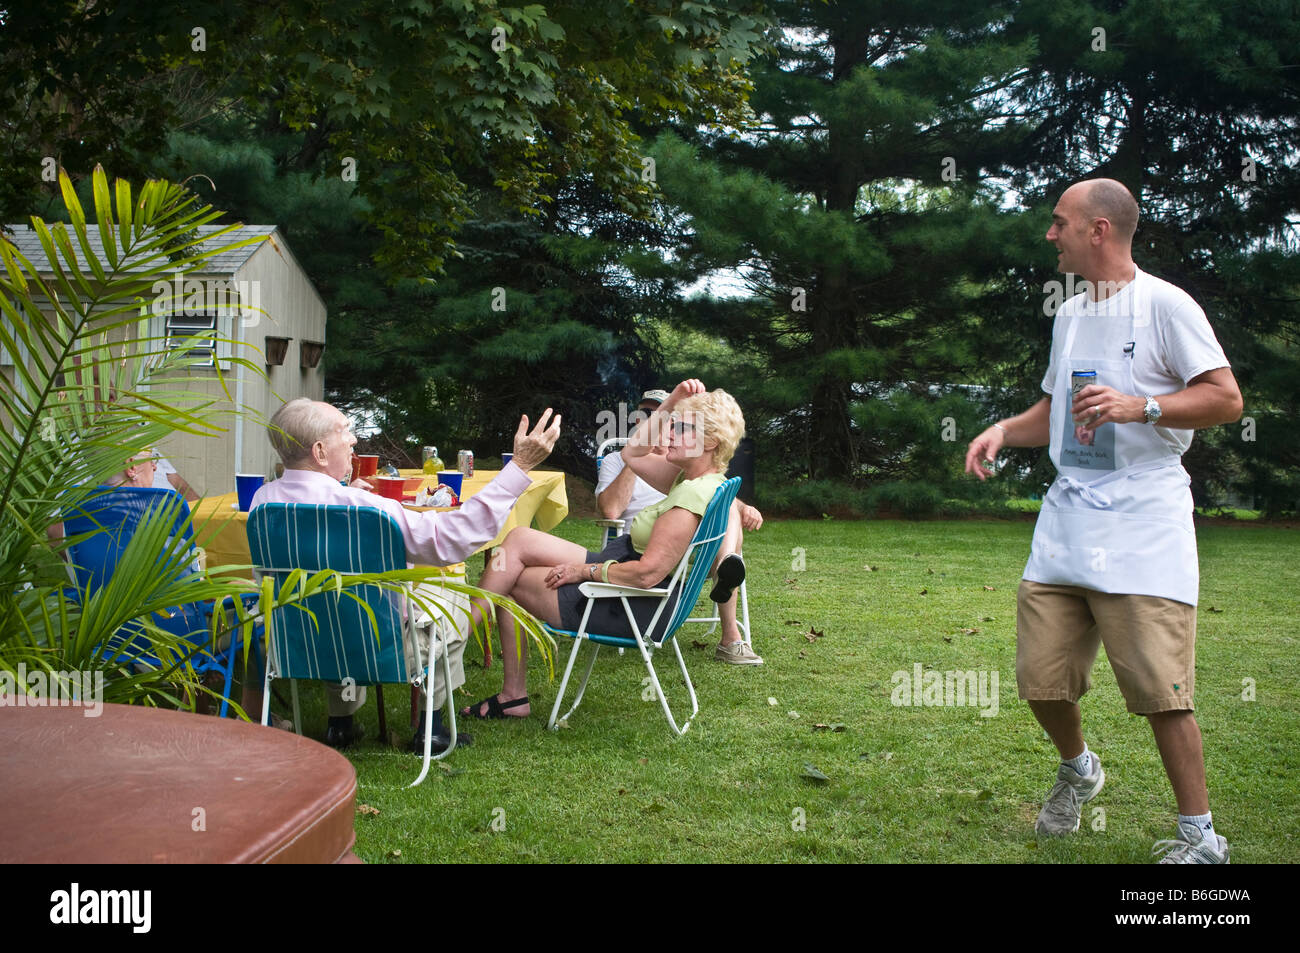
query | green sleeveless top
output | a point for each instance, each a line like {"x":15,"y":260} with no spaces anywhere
{"x":693,"y":495}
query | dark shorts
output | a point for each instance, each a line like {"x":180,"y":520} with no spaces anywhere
{"x":607,"y":615}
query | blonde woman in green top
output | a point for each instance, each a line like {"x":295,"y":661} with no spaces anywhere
{"x":682,"y":450}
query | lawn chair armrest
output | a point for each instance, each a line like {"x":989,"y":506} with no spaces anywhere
{"x":608,"y":590}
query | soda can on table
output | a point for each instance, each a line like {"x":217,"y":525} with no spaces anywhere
{"x":465,"y":462}
{"x":1081,"y":379}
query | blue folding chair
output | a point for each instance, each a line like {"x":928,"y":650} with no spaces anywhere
{"x":107,"y":522}
{"x":688,"y":579}
{"x":341,"y":643}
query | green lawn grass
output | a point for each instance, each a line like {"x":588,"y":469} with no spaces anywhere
{"x":905,"y":784}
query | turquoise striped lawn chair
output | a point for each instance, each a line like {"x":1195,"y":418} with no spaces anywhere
{"x":347,"y":539}
{"x":688,"y":579}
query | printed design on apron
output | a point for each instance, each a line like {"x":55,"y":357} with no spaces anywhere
{"x":1081,"y":447}
{"x":1076,"y":446}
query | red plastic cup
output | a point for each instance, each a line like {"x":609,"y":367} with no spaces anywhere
{"x":367,"y":465}
{"x":391,"y":487}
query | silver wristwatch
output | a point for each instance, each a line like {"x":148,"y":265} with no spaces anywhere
{"x":1152,"y":410}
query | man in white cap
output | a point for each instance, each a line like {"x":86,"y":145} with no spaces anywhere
{"x":621,"y":494}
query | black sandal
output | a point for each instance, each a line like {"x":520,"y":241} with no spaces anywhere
{"x":495,"y":709}
{"x":731,"y":573}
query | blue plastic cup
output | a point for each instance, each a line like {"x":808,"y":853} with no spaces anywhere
{"x":453,"y":478}
{"x":246,"y":484}
{"x":505,"y":459}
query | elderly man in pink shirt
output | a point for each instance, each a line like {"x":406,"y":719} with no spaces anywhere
{"x":315,"y":441}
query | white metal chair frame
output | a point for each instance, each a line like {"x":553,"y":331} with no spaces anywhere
{"x":614,"y":527}
{"x":705,"y":544}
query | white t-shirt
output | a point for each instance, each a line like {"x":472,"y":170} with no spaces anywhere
{"x":1185,"y":345}
{"x":643,"y":494}
{"x":160,"y":481}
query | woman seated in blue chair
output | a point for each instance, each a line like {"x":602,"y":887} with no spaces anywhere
{"x":682,"y":450}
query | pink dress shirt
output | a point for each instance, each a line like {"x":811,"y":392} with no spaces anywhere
{"x":432,"y":538}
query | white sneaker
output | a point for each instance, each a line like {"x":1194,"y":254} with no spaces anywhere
{"x":1064,"y":804}
{"x":1191,"y":847}
{"x":736,"y":653}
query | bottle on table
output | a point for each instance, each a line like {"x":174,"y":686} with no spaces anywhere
{"x":432,"y":462}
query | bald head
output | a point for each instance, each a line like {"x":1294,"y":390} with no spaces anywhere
{"x":1111,"y":200}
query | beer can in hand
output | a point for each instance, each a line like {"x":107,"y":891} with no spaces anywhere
{"x":1081,"y":379}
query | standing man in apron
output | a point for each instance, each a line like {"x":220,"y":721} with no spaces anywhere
{"x":1114,"y":551}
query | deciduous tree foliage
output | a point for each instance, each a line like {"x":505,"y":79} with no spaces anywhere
{"x":429,"y":99}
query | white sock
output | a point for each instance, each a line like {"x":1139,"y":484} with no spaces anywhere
{"x":1203,"y":823}
{"x":1081,"y":765}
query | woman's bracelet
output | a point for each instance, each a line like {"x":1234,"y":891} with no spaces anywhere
{"x":591,"y":572}
{"x":1002,"y":428}
{"x":604,"y":570}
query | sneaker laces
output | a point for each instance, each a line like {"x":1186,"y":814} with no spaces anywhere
{"x":1066,"y":807}
{"x":1174,"y":850}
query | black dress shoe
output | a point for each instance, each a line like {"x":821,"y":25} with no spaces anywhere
{"x":440,"y":740}
{"x":439,"y":743}
{"x":343,"y":732}
{"x":731,"y":573}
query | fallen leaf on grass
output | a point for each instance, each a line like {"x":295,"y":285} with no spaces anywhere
{"x":987,"y":618}
{"x":793,"y":622}
{"x":984,"y":795}
{"x":1215,"y":609}
{"x":834,"y":726}
{"x":812,"y":774}
{"x":642,"y":760}
{"x":990,"y":589}
{"x":812,"y":635}
{"x":924,"y":592}
{"x":930,"y":572}
{"x":771,"y":700}
{"x":698,"y":644}
{"x":394,"y":853}
{"x":948,"y":639}
{"x":367,"y":809}
{"x":803,"y":653}
{"x":793,"y":714}
{"x":871,"y":568}
{"x":969,"y":631}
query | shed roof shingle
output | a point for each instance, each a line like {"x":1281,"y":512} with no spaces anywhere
{"x":225,"y":264}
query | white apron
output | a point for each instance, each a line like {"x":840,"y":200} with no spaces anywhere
{"x":1119,"y":516}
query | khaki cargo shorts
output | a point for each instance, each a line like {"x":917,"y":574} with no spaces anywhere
{"x":1150,"y":642}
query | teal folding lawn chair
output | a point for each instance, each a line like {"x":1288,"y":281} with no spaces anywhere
{"x":341,"y":643}
{"x":688,"y":579}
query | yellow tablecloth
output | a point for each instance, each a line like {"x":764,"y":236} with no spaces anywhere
{"x":221,"y":529}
